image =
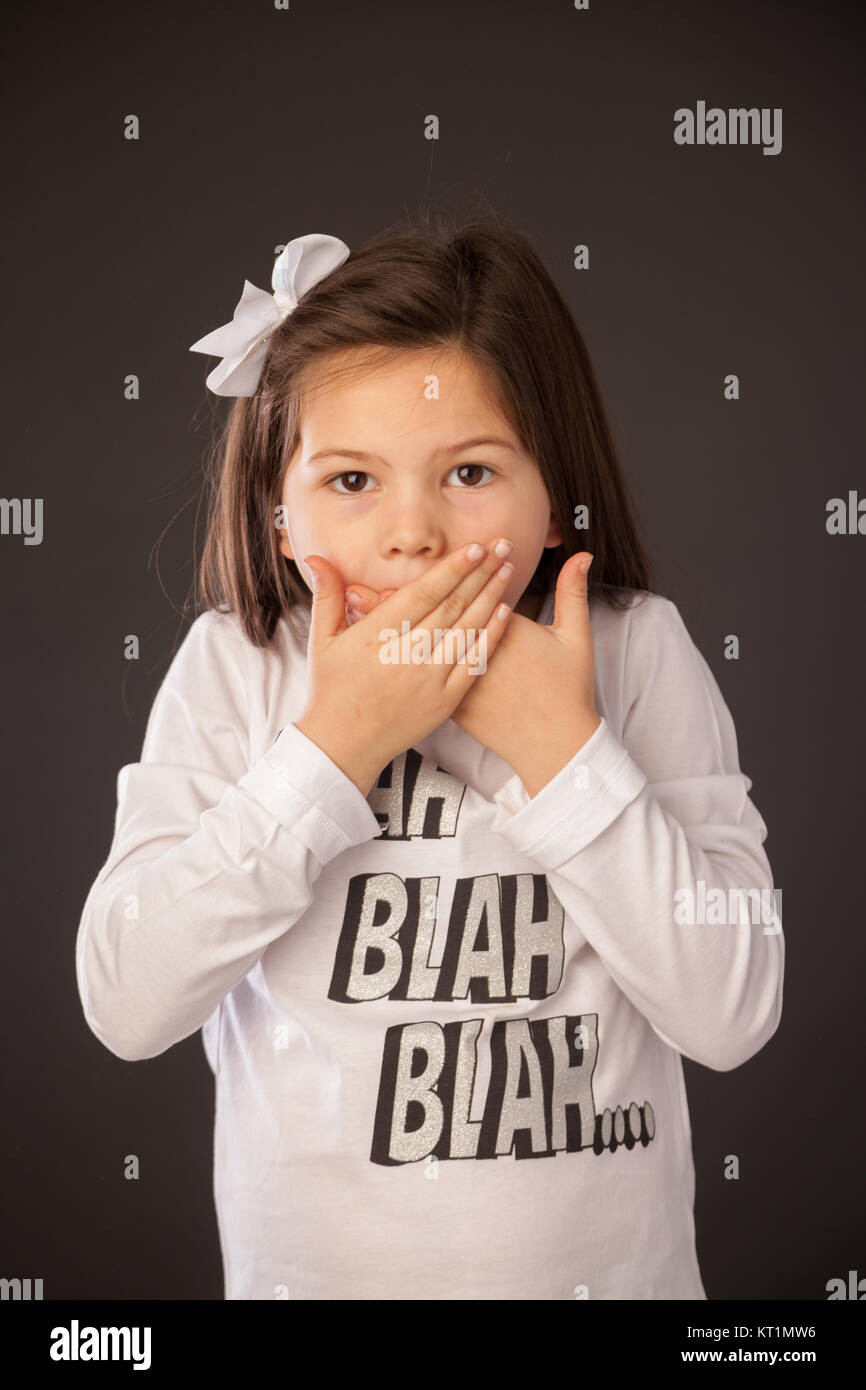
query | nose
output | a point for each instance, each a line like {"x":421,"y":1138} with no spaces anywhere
{"x":412,"y":528}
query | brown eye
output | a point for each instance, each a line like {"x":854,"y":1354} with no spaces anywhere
{"x":353,"y":476}
{"x":473,"y":467}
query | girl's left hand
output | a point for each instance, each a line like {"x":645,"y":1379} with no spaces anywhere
{"x":534,"y":706}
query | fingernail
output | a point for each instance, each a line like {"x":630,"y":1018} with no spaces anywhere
{"x":503,"y":548}
{"x":475,"y":552}
{"x":583,"y":565}
{"x":352,"y":597}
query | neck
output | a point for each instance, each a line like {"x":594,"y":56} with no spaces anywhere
{"x":530,"y":605}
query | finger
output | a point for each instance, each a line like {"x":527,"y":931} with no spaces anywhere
{"x":482,"y":604}
{"x":479,"y":648}
{"x":360,"y":600}
{"x":367,"y":601}
{"x":328,"y":607}
{"x":571,"y":605}
{"x":483,"y":588}
{"x":420,"y":598}
{"x":361,"y":597}
{"x":431,"y":601}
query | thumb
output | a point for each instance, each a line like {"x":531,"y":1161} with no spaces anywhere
{"x":570,"y":603}
{"x":329,"y":605}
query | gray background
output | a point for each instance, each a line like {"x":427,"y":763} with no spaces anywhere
{"x":257,"y":126}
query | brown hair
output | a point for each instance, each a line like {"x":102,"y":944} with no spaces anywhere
{"x":479,"y":288}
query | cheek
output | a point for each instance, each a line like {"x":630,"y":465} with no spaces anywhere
{"x":305,"y":524}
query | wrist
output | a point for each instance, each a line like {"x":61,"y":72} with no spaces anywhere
{"x":352,"y":762}
{"x":540,"y":762}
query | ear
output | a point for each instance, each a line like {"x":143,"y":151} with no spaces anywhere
{"x":283,"y":543}
{"x":553,"y":536}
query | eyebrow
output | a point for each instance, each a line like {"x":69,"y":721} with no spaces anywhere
{"x":364,"y":457}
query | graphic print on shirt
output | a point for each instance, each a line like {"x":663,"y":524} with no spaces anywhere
{"x":504,"y":942}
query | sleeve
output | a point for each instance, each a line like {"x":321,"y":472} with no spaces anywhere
{"x":637,"y":836}
{"x":211,"y":860}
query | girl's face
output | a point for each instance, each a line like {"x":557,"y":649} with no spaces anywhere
{"x":414,"y":485}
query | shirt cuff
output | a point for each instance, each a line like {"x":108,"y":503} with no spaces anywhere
{"x":311,"y":796}
{"x":575,"y":806}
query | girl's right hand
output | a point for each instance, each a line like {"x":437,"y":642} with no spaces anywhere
{"x":362,"y":712}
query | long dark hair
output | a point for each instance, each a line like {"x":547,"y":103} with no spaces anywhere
{"x":424,"y":283}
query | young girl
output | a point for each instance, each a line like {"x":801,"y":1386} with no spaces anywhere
{"x":448,"y":916}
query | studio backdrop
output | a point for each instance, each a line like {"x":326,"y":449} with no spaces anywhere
{"x":689,"y":177}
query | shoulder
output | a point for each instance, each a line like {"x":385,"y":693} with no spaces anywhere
{"x":218,"y":635}
{"x":640,"y":610}
{"x":215,"y":666}
{"x":214,"y":644}
{"x":660,"y":655}
{"x":221,"y":626}
{"x":655,"y":627}
{"x":674,"y":714}
{"x":639,"y":628}
{"x":201,"y":710}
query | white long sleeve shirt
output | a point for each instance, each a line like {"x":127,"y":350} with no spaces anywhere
{"x":445,"y":1020}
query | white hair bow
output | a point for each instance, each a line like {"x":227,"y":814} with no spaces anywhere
{"x":243,"y":343}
